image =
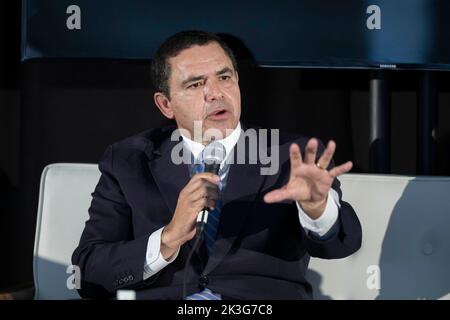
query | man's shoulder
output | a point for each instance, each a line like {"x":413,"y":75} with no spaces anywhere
{"x":146,"y":140}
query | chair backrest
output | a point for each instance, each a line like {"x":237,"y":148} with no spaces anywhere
{"x":64,"y":199}
{"x":405,"y":252}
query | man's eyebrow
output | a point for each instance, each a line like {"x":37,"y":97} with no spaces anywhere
{"x":192,"y":79}
{"x":224,"y":70}
{"x":202,"y":77}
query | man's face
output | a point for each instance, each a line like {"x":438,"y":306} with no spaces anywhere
{"x":203,"y":87}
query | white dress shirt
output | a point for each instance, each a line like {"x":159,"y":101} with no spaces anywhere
{"x":318,"y":228}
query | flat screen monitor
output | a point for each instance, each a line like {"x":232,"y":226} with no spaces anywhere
{"x":394,"y":34}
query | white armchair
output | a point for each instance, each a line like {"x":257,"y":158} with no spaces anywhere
{"x":64,"y":200}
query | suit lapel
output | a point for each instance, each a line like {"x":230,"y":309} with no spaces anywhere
{"x":169,"y":177}
{"x":244,"y":183}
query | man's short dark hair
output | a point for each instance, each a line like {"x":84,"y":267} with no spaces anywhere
{"x":180,"y":41}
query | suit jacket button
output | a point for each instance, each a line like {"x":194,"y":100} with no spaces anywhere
{"x":204,"y":281}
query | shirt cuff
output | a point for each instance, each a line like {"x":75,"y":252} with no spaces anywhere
{"x":323,"y":224}
{"x":154,"y":260}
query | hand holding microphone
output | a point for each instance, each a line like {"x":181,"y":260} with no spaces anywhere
{"x":194,"y":201}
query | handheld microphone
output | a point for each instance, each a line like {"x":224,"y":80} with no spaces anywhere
{"x":213,"y":155}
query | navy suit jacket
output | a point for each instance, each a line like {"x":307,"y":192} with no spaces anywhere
{"x":261,"y":251}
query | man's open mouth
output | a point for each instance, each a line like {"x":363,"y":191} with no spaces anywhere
{"x":218,"y":114}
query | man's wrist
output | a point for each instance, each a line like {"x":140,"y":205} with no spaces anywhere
{"x":168,"y":246}
{"x":314,"y":209}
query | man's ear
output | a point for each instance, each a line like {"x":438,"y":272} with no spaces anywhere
{"x":163,"y":104}
{"x":237,"y":76}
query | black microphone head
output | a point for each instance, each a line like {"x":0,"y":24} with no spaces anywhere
{"x":213,"y":155}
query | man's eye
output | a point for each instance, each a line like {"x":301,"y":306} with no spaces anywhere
{"x":224,"y":77}
{"x":195,"y":85}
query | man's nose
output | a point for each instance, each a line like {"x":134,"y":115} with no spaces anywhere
{"x":213,"y":91}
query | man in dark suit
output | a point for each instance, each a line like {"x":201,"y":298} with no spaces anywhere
{"x":264,"y":227}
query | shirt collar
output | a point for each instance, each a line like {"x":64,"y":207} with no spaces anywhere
{"x":228,"y":142}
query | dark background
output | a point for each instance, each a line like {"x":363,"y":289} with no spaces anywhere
{"x":70,"y":110}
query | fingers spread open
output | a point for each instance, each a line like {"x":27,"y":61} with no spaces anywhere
{"x":343,"y":168}
{"x":295,"y":156}
{"x":327,"y":155}
{"x":311,"y":150}
{"x":276,"y":196}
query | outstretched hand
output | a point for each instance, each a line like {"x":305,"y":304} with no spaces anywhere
{"x":309,"y":181}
